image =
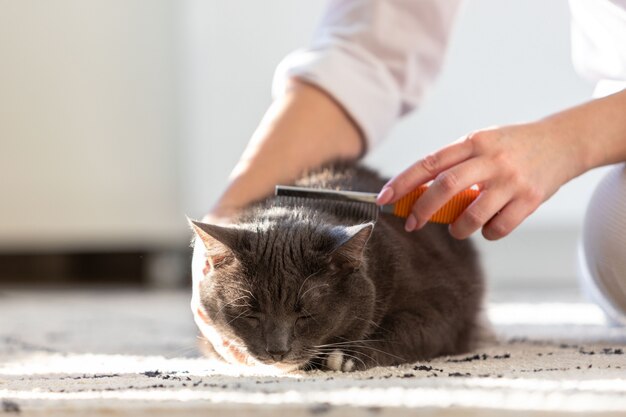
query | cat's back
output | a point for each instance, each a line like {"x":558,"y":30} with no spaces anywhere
{"x":414,"y":262}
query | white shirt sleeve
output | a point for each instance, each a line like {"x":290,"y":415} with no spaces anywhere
{"x":599,"y":43}
{"x":375,"y":57}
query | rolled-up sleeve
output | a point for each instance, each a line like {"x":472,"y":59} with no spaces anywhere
{"x":375,"y":57}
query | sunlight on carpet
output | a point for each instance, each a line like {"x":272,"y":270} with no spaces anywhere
{"x":136,"y":353}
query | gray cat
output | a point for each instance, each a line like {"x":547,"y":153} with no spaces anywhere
{"x":297,"y":286}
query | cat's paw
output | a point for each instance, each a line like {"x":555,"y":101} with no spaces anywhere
{"x":336,"y":361}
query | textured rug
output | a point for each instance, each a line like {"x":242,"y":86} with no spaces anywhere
{"x":134,"y":353}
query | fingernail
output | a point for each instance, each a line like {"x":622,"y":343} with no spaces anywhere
{"x":410,"y":224}
{"x":385,"y":195}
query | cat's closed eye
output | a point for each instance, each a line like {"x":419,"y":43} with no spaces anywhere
{"x":304,"y":320}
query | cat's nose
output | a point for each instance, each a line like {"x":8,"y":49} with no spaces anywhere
{"x":277,"y":354}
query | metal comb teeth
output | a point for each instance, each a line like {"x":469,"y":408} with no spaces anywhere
{"x":354,"y":210}
{"x":323,"y":194}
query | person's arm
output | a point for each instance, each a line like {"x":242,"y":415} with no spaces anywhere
{"x":516,"y":167}
{"x":368,"y":64}
{"x":303,"y":128}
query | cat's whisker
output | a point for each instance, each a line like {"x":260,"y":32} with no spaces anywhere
{"x":202,"y":339}
{"x":368,"y":340}
{"x":231,"y":342}
{"x":353,"y":351}
{"x":351,"y":341}
{"x":304,"y":282}
{"x":183,"y":351}
{"x":240,"y":288}
{"x":315,"y":355}
{"x":249,"y":292}
{"x":352,"y":356}
{"x":230,"y":303}
{"x":317,"y":286}
{"x":379,"y":351}
{"x":361,"y":345}
{"x":315,"y":352}
{"x":233,"y":286}
{"x":236,"y":317}
{"x":241,"y":305}
{"x":310,"y":365}
{"x":378,"y":326}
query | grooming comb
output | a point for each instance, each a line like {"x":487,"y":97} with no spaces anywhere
{"x":366,"y":202}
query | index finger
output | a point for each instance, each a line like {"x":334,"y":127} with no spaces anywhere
{"x":423,"y":171}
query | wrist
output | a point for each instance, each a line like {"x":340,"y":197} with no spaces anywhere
{"x":595,"y":131}
{"x":569,"y":145}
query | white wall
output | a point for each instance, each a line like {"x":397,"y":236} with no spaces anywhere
{"x":230,"y":51}
{"x":88,"y":124}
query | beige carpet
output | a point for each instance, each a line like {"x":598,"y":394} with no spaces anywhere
{"x":133,"y":353}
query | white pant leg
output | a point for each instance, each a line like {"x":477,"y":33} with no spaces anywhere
{"x":602,"y":252}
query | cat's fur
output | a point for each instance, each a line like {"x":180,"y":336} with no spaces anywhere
{"x":294,"y":286}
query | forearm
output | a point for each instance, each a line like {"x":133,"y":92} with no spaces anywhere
{"x":596,"y":131}
{"x":304,"y":128}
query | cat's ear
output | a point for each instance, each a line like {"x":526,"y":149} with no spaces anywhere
{"x":350,"y":241}
{"x":219,"y":241}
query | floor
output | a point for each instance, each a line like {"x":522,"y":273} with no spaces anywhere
{"x":128,"y":352}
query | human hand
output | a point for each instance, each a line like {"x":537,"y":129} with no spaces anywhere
{"x":516,"y":168}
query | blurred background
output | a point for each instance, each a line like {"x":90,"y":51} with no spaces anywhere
{"x":118,"y":118}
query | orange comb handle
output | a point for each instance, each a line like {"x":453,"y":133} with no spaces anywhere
{"x":447,"y":214}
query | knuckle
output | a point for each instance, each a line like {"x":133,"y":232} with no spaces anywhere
{"x":475,"y":218}
{"x":419,"y":214}
{"x":486,"y":141}
{"x":500,"y":229}
{"x":516,"y":180}
{"x":496,"y":230}
{"x":398,"y":183}
{"x":448,"y":181}
{"x":430,"y":164}
{"x":456,"y":232}
{"x":528,"y":192}
{"x":477,"y":141}
{"x":534,"y":194}
{"x":503,"y":161}
{"x":519,"y":181}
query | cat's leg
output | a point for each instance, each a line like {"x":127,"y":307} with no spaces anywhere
{"x":339,"y":360}
{"x":340,"y":355}
{"x":352,"y":353}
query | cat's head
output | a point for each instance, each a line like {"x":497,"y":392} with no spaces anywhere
{"x":273,"y":292}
